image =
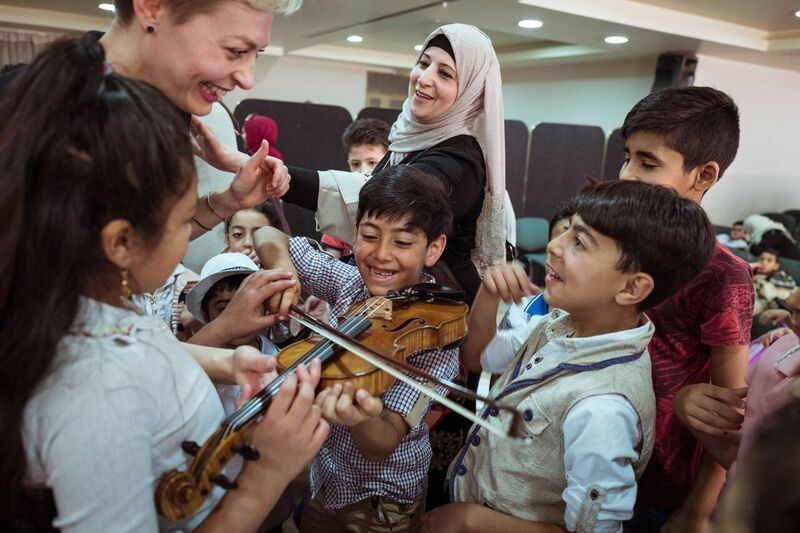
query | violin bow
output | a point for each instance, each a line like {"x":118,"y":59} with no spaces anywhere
{"x":387,"y":364}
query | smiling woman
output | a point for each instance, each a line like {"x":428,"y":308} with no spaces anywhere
{"x":195,"y":52}
{"x":451,"y":127}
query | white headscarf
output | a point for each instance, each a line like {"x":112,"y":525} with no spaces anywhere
{"x":758,"y":225}
{"x":477,"y":111}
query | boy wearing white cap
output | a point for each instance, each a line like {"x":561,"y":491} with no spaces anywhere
{"x":219,"y":281}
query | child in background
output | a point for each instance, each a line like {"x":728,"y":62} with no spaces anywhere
{"x":510,"y":283}
{"x":372,"y":473}
{"x":768,"y":262}
{"x":769,"y":281}
{"x":219,"y":281}
{"x":583,"y":380}
{"x":240,"y":227}
{"x":736,"y":239}
{"x":686,"y":138}
{"x":366,"y":142}
{"x":239,"y":230}
{"x":259,"y":128}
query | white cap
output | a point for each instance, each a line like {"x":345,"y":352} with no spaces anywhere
{"x":218,"y":267}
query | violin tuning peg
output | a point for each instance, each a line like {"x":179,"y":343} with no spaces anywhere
{"x":248,"y":452}
{"x":190,"y":447}
{"x":224,"y":482}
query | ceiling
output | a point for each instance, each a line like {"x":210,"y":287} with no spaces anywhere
{"x":758,"y":31}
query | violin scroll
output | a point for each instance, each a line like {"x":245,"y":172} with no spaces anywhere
{"x":177,"y":495}
{"x":180,"y":494}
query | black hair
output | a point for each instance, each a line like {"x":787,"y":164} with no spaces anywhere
{"x":10,"y":67}
{"x":366,"y":131}
{"x":738,"y":223}
{"x":267,"y":209}
{"x":772,"y":251}
{"x":441,"y":41}
{"x":564,"y":209}
{"x":66,"y":174}
{"x":658,"y":232}
{"x":229,"y":283}
{"x":404,"y":191}
{"x":700,"y":123}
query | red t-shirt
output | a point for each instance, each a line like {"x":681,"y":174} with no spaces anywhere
{"x":714,"y":309}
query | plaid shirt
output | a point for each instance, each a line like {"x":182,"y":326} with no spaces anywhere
{"x":339,"y":467}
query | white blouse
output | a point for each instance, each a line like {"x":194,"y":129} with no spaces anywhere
{"x":109,"y":421}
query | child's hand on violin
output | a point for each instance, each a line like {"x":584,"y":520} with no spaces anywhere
{"x":252,"y":370}
{"x":292,"y":431}
{"x":341,"y":406}
{"x":510,"y":282}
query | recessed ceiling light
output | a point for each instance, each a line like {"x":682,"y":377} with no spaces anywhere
{"x":354,"y":38}
{"x":616,"y":39}
{"x":418,"y":47}
{"x":106,"y":7}
{"x":797,"y":13}
{"x":530,"y":24}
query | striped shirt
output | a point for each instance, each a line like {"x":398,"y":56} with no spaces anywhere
{"x":339,"y":467}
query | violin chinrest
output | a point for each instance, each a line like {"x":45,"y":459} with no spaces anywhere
{"x":434,"y":290}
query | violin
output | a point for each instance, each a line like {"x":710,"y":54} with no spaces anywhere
{"x":427,"y":317}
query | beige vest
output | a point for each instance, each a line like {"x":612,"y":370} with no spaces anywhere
{"x":526,"y":479}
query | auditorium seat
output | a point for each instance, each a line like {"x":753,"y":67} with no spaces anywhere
{"x":387,"y":115}
{"x":615,"y":155}
{"x":560,"y":160}
{"x":516,"y":160}
{"x":788,"y":221}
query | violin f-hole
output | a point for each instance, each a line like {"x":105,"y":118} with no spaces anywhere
{"x":403,"y":324}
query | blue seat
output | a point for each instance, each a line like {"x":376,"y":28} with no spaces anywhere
{"x":533,"y":233}
{"x":792,"y":267}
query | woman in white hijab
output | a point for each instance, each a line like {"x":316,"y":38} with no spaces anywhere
{"x":766,"y":233}
{"x":451,"y":127}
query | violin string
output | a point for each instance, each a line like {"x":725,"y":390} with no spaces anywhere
{"x":391,"y":366}
{"x":258,"y":402}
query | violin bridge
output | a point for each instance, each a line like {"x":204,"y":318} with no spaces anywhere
{"x":379,"y":307}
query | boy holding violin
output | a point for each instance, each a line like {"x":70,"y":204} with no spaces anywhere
{"x":371,"y":473}
{"x":582,"y":380}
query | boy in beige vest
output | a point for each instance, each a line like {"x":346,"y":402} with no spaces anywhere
{"x":582,"y":381}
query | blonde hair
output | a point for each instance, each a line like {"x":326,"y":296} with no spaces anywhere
{"x":183,"y":10}
{"x":286,"y":7}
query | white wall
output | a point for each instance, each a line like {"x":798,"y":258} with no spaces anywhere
{"x":595,"y":94}
{"x":292,"y":79}
{"x":765,"y":176}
